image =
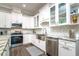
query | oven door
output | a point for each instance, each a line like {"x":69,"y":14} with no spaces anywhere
{"x":16,"y":39}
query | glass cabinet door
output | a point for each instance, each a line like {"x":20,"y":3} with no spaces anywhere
{"x":52,"y":15}
{"x":36,"y":21}
{"x":74,"y":13}
{"x":62,"y":13}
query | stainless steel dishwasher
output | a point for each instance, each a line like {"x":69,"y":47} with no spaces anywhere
{"x":52,"y":46}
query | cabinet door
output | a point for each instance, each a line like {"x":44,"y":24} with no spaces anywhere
{"x":28,"y":22}
{"x":52,"y":15}
{"x":62,"y":13}
{"x":66,"y":48}
{"x":8,"y":20}
{"x":64,"y":51}
{"x":26,"y":39}
{"x":36,"y":21}
{"x":16,"y":18}
{"x":5,"y":20}
{"x":2,"y":19}
{"x":42,"y":45}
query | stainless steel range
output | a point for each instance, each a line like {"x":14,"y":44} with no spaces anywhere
{"x":16,"y":35}
{"x":16,"y":39}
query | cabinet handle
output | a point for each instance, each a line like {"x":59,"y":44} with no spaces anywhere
{"x":67,"y":48}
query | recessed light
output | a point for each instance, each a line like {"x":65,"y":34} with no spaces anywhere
{"x":24,"y":5}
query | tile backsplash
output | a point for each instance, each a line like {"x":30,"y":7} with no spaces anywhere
{"x":64,"y":30}
{"x":3,"y":32}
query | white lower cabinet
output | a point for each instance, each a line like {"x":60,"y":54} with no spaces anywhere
{"x":6,"y":51}
{"x":42,"y":45}
{"x":67,"y":48}
{"x":39,"y":43}
{"x":27,"y":38}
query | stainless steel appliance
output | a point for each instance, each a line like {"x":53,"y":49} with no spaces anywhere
{"x":52,"y":46}
{"x":16,"y":35}
{"x":16,"y":39}
{"x":16,"y":25}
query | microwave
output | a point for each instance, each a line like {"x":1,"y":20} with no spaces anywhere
{"x":16,"y":25}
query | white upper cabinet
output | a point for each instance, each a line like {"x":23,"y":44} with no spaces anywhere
{"x":60,"y":14}
{"x":24,"y":21}
{"x":74,"y":13}
{"x":28,"y":22}
{"x":44,"y":12}
{"x":16,"y":18}
{"x":64,"y":13}
{"x":44,"y":16}
{"x":4,"y":20}
{"x":8,"y":20}
{"x":36,"y":20}
{"x":52,"y":15}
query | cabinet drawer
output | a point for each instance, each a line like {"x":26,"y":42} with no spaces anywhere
{"x":66,"y":51}
{"x":67,"y":43}
{"x":66,"y":48}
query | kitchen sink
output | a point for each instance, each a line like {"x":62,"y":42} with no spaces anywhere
{"x":41,"y":37}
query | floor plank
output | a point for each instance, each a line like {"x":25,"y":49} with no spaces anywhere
{"x":21,"y":50}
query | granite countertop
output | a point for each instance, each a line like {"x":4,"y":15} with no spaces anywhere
{"x":3,"y":43}
{"x":62,"y":38}
{"x":41,"y":34}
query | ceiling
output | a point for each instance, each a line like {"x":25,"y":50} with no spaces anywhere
{"x":30,"y":9}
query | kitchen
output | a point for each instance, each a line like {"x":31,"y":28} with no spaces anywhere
{"x":39,"y":29}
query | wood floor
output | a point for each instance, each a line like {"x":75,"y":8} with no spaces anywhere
{"x":21,"y":50}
